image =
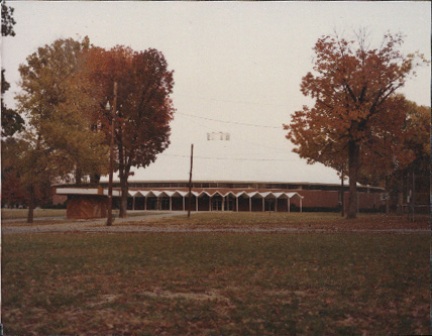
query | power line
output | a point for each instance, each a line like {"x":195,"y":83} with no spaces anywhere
{"x":225,"y":158}
{"x":243,"y":102}
{"x":230,"y":122}
{"x":239,"y":138}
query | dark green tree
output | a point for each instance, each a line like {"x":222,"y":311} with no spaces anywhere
{"x":11,"y":121}
{"x":8,"y":21}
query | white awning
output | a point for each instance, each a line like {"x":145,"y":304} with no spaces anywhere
{"x":78,"y":191}
{"x":293,"y":194}
{"x":176,"y":193}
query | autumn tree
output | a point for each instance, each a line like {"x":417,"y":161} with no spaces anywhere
{"x":144,"y":106}
{"x":418,"y":125}
{"x":413,"y":179}
{"x":13,"y":192}
{"x":382,"y":155}
{"x":29,"y":168}
{"x":403,"y":164}
{"x":60,"y":106}
{"x":356,"y":108}
{"x":11,"y":121}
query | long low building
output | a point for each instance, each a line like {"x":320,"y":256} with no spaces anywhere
{"x":219,"y":196}
{"x":213,"y":200}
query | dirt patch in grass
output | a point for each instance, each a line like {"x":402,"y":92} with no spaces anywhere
{"x":163,"y":294}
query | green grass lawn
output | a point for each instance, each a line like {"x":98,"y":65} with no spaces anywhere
{"x":215,"y":284}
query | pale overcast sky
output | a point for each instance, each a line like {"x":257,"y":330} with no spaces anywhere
{"x":238,"y":68}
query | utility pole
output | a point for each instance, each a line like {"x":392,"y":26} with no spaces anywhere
{"x":111,"y":162}
{"x":190,"y":182}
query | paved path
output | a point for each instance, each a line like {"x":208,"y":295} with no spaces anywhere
{"x":93,"y":227}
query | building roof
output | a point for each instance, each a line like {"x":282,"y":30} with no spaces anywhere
{"x":180,"y":188}
{"x":85,"y":191}
{"x":179,"y":193}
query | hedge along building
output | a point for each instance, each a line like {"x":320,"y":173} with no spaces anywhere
{"x":221,"y":196}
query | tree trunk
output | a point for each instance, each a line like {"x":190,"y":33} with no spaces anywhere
{"x":95,"y":179}
{"x":412,"y":203}
{"x":353,"y":169}
{"x":31,"y":205}
{"x":342,"y":194}
{"x":124,"y":196}
{"x":388,"y":195}
{"x":78,"y":175}
{"x":123,"y":175}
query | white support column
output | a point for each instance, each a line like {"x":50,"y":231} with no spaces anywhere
{"x":236,"y":203}
{"x":196,"y":203}
{"x":250,"y":204}
{"x":184,"y":203}
{"x":223,"y":203}
{"x":210,"y":203}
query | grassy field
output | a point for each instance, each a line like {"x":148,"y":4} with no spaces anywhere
{"x":307,"y":220}
{"x":22,"y":213}
{"x":215,"y":284}
{"x":226,"y":220}
{"x":60,"y":213}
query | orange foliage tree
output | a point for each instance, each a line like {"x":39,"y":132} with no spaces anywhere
{"x":357,"y":117}
{"x":144,"y":107}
